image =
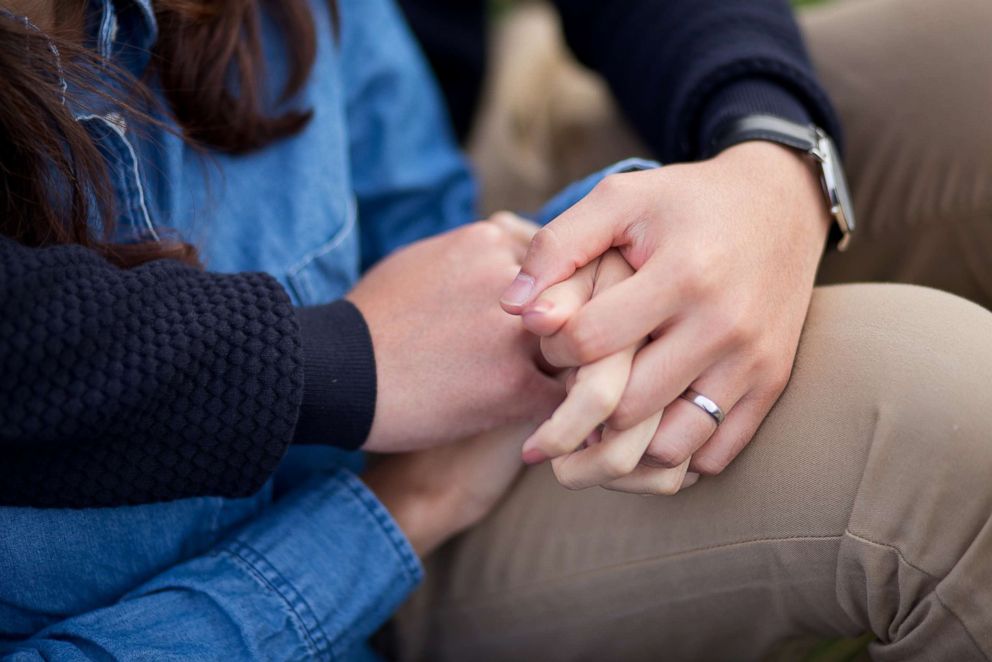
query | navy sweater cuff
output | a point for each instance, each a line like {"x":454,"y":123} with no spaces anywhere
{"x":750,"y":96}
{"x":339,"y":376}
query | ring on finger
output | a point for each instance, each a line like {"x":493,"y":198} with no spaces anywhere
{"x":704,"y":403}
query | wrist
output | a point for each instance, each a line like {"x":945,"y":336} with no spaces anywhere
{"x":792,"y":171}
{"x":422,"y":515}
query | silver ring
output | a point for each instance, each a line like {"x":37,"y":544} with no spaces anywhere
{"x":704,"y":403}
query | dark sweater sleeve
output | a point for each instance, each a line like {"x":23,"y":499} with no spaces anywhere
{"x":682,"y":68}
{"x":155,"y":383}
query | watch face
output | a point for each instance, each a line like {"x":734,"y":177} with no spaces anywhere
{"x":836,"y":185}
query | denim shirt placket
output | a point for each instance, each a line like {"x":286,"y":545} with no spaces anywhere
{"x":109,"y":128}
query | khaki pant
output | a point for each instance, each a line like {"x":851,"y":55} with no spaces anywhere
{"x":864,"y":504}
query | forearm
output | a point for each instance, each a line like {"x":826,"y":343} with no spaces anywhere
{"x":312,"y":577}
{"x":680,"y":68}
{"x":162,"y":382}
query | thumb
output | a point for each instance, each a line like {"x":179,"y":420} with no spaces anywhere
{"x":561,"y":247}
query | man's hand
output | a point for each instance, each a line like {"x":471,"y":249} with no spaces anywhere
{"x":449,"y":362}
{"x":725,"y":252}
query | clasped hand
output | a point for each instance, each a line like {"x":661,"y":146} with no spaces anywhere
{"x":692,"y":276}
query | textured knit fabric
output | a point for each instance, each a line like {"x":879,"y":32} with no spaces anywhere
{"x":147,"y":384}
{"x":341,"y":379}
{"x":360,"y":180}
{"x":678,"y":68}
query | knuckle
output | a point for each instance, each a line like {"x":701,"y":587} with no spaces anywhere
{"x":482,"y":233}
{"x":771,"y":372}
{"x":711,"y":465}
{"x":667,"y":455}
{"x":610,"y":186}
{"x":735,"y":326}
{"x":585,"y":338}
{"x":667,"y":486}
{"x":618,"y":463}
{"x":626,"y":414}
{"x":566,"y":479}
{"x":555,"y":447}
{"x":602,"y":401}
{"x":545,"y":240}
{"x":779,"y":381}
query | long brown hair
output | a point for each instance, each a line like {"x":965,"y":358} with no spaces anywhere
{"x":209,"y":60}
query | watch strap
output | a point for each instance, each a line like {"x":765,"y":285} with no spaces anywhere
{"x":807,"y":139}
{"x":764,"y":127}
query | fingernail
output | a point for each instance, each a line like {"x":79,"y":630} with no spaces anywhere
{"x":540,"y":306}
{"x":519,"y":291}
{"x":533,"y":456}
{"x":537,"y":311}
{"x":691,"y":478}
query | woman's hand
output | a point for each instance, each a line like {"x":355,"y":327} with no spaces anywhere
{"x":450,"y":364}
{"x":726,"y":252}
{"x":435,"y":494}
{"x":584,"y":454}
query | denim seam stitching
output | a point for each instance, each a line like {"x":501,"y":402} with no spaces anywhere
{"x":332,"y":243}
{"x":135,"y":190}
{"x":400,"y":545}
{"x":372,"y":507}
{"x":316,"y":638}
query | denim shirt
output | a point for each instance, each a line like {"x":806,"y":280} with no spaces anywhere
{"x":311,"y":573}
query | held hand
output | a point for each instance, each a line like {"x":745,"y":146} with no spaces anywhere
{"x":449,"y":362}
{"x":437,"y":493}
{"x":726,"y":253}
{"x":583,"y":454}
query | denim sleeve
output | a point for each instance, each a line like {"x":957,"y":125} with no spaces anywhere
{"x":311,"y":578}
{"x":409,"y":177}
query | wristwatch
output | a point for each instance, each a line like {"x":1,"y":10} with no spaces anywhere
{"x":809,"y":139}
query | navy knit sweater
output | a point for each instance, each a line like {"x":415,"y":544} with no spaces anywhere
{"x":162,"y":382}
{"x":679,"y":68}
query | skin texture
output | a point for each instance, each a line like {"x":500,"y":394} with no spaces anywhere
{"x":437,"y":493}
{"x":450,"y":364}
{"x":725,"y":253}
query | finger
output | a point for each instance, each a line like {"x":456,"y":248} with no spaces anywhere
{"x":685,"y":427}
{"x":590,"y":401}
{"x":657,"y":481}
{"x":662,"y":371}
{"x":517,"y":227}
{"x":565,"y":244}
{"x":733,"y":435}
{"x":559,"y":302}
{"x":615,"y":457}
{"x":613,"y":270}
{"x":617,"y":318}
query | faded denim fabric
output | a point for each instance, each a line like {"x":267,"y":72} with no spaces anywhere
{"x":313,"y":571}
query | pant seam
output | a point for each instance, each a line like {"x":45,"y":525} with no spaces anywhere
{"x":902,"y":557}
{"x":936,"y":590}
{"x":964,"y":627}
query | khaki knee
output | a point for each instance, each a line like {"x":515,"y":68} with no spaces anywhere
{"x":918,"y":362}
